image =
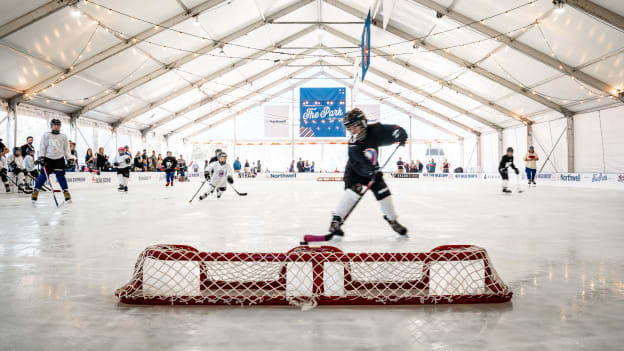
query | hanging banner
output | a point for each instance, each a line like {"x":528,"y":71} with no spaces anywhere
{"x":276,"y":121}
{"x":366,"y":46}
{"x":322,"y":110}
{"x":371,"y":111}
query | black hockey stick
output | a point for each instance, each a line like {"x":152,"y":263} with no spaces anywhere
{"x":50,"y":185}
{"x":197,"y":192}
{"x":327,"y":237}
{"x":236,"y":191}
{"x":44,"y":187}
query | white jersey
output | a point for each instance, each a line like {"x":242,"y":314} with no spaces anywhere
{"x":54,"y":146}
{"x":219,"y":174}
{"x":124,"y":160}
{"x":3,"y":163}
{"x":29,"y":163}
{"x":19,"y":161}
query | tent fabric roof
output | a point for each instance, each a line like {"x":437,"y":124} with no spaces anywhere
{"x":192,"y":63}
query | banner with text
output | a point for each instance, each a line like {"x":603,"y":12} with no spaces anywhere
{"x":276,"y":121}
{"x":322,"y":110}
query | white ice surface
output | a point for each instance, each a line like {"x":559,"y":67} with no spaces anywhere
{"x":560,"y":249}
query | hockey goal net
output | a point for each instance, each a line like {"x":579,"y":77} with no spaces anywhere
{"x":179,"y":274}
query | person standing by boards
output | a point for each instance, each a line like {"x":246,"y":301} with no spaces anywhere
{"x":530,"y":160}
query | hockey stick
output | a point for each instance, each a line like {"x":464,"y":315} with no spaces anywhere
{"x":236,"y":191}
{"x":197,"y":192}
{"x":50,"y":185}
{"x":44,"y":187}
{"x":327,"y":237}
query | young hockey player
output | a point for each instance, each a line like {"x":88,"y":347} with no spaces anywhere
{"x":215,"y":158}
{"x":362,"y":167}
{"x":16,"y":164}
{"x":182,"y":169}
{"x":221,"y":172}
{"x":4,"y":167}
{"x":170,"y":164}
{"x":505,"y":163}
{"x":53,"y":150}
{"x":122,"y":162}
{"x":31,"y":168}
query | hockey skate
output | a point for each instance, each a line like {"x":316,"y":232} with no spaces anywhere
{"x":506,"y":190}
{"x":167,"y":184}
{"x":125,"y":188}
{"x":335,"y":228}
{"x":21,"y":189}
{"x":35,"y":195}
{"x":120,"y":188}
{"x":7,"y":187}
{"x":67,"y":196}
{"x":396,"y":226}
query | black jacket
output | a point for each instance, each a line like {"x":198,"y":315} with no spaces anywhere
{"x":169,"y":164}
{"x":363,"y":154}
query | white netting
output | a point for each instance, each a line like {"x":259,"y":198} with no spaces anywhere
{"x":179,"y":274}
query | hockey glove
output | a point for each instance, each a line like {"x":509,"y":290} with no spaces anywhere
{"x":230,"y":180}
{"x":399,"y":134}
{"x":377,"y":174}
{"x":116,"y":164}
{"x":517,"y":172}
{"x":13,"y":165}
{"x":41,"y":161}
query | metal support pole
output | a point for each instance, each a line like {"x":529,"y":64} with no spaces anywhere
{"x":570,"y":139}
{"x":500,"y":143}
{"x":529,"y":135}
{"x":12,"y":125}
{"x":292,"y":121}
{"x":480,"y":151}
{"x":461,"y":152}
{"x":235,"y":135}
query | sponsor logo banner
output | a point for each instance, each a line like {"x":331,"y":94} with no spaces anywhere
{"x":437,"y":175}
{"x":280,"y":175}
{"x":466,"y":176}
{"x":276,"y":121}
{"x":569,"y":177}
{"x":322,"y":110}
{"x":405,"y":175}
{"x":599,"y":177}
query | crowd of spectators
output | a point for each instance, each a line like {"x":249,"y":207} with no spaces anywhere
{"x":418,"y":167}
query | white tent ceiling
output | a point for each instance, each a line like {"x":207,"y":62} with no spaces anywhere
{"x":184,"y":65}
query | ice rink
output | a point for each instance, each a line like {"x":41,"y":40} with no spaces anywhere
{"x":559,"y":248}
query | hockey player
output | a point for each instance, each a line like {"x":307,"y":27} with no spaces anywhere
{"x":221,"y":172}
{"x":362,"y":167}
{"x":505,"y":163}
{"x":182,"y":169}
{"x":170,"y":164}
{"x":16,"y":163}
{"x":215,"y":158}
{"x":31,"y":168}
{"x":122,"y":162}
{"x":53,"y":150}
{"x":4,"y":167}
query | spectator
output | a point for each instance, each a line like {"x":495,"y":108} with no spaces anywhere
{"x":150,"y":164}
{"x":445,"y":166}
{"x":307,"y":166}
{"x":90,"y":159}
{"x":412,"y":167}
{"x":419,"y":166}
{"x":100,"y":160}
{"x":153,"y":159}
{"x":159,"y":161}
{"x":300,"y":166}
{"x":312,"y":167}
{"x":144,"y":160}
{"x":195,"y":167}
{"x":138,"y":162}
{"x":127,"y":149}
{"x":530,"y":160}
{"x":144,"y":155}
{"x":236,"y":165}
{"x":28,"y":146}
{"x":71,"y":164}
{"x":246,"y":166}
{"x":253,"y":168}
{"x":259,"y":167}
{"x":431,"y":166}
{"x":291,"y":169}
{"x":400,"y":165}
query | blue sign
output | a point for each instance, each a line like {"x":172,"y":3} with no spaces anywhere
{"x":366,"y":46}
{"x":322,"y":110}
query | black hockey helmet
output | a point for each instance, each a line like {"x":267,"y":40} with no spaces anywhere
{"x":354,"y":117}
{"x":510,"y":149}
{"x":55,"y":122}
{"x":16,"y":149}
{"x":217,"y":152}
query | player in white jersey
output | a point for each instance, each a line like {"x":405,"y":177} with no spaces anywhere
{"x":53,"y":150}
{"x":16,"y":163}
{"x":122,"y":162}
{"x":221,"y":172}
{"x":4,"y":167}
